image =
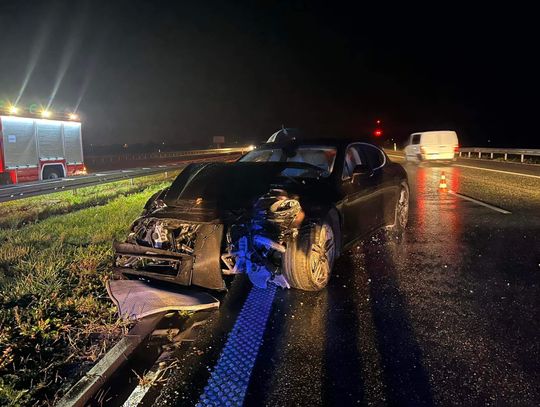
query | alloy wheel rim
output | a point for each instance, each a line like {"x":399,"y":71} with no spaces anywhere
{"x":322,"y":255}
{"x":403,"y":208}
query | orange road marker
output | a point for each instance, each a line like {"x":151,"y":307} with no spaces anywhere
{"x":442,"y":184}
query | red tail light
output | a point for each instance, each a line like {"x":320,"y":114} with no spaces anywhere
{"x":456,"y":149}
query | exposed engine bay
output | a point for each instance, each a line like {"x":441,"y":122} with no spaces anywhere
{"x":200,"y":253}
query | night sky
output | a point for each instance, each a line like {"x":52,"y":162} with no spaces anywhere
{"x":179,"y":72}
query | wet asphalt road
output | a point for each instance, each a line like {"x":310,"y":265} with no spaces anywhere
{"x":448,"y":316}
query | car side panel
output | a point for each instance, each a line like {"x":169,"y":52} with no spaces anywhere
{"x":393,"y":176}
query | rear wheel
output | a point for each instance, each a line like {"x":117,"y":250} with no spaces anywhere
{"x":5,"y":179}
{"x":308,"y":261}
{"x":53,"y":172}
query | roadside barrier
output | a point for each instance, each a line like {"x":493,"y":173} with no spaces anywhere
{"x":522,"y":153}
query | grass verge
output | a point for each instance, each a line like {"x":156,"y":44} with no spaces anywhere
{"x":55,"y":316}
{"x":18,"y":213}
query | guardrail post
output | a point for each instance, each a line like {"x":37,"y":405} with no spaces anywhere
{"x":131,"y":181}
{"x":395,"y":147}
{"x":505,"y":156}
{"x":522,"y":157}
{"x":469,"y":154}
{"x":479,"y":154}
{"x":491,"y":155}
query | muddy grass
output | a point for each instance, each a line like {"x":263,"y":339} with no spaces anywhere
{"x":55,"y":316}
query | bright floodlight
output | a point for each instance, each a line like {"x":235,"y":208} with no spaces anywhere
{"x":73,"y":116}
{"x":46,"y":113}
{"x":13,"y":110}
{"x":251,"y":148}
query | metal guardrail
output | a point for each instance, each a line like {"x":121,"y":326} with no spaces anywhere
{"x":25,"y":190}
{"x":505,"y":151}
{"x":480,"y":151}
{"x":92,"y":159}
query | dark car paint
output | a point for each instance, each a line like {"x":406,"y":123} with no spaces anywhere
{"x":217,"y":192}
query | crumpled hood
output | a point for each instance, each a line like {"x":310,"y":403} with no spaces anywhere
{"x":229,"y":185}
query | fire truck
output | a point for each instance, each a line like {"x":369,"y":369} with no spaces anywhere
{"x":34,"y":149}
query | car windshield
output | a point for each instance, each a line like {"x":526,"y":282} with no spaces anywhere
{"x":322,"y":157}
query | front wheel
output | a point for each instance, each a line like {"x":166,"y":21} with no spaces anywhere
{"x":308,"y":261}
{"x":401,"y":212}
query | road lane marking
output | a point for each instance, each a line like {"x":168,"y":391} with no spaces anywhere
{"x":500,"y":171}
{"x":396,"y":156}
{"x":229,"y":380}
{"x":468,"y":198}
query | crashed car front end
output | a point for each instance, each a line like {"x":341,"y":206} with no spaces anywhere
{"x":220,"y":219}
{"x":200,"y":253}
{"x":173,"y":251}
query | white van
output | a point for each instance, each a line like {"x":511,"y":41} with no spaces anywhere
{"x":432,"y":145}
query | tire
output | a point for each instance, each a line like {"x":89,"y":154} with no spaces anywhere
{"x":5,"y":179}
{"x":401,"y":211}
{"x":307,"y":263}
{"x":53,"y":172}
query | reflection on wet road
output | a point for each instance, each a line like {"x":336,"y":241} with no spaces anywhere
{"x":448,"y":316}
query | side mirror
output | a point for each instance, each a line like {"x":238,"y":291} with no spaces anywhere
{"x":361,"y":170}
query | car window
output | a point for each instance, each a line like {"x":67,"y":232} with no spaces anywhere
{"x":352,"y":159}
{"x":416,"y":139}
{"x":375,"y":157}
{"x":320,"y":156}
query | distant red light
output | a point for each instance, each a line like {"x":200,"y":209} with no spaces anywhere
{"x":377,"y":133}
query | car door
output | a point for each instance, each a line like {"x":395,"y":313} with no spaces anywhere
{"x":361,"y":211}
{"x":384,"y":184}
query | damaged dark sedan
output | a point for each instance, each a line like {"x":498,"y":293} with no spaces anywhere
{"x":281,"y":214}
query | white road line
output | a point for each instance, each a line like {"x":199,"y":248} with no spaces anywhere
{"x":495,"y":208}
{"x":500,"y":171}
